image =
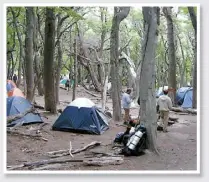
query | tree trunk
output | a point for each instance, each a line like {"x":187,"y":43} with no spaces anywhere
{"x":104,"y":87}
{"x":9,"y":60}
{"x":38,"y":74}
{"x":24,"y":79}
{"x":38,"y":55}
{"x":194,"y":23}
{"x":171,"y":51}
{"x":148,"y":115}
{"x":88,"y":65}
{"x":79,"y":73}
{"x":183,"y":65}
{"x":120,"y":13}
{"x":101,"y":73}
{"x":49,"y":46}
{"x":75,"y":70}
{"x":59,"y":64}
{"x":29,"y":53}
{"x":20,"y":46}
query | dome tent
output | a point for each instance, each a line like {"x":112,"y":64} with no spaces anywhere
{"x":18,"y":105}
{"x":188,"y":98}
{"x":184,"y":97}
{"x":82,"y":116}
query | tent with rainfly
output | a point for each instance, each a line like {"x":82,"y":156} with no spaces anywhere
{"x":184,"y":97}
{"x":18,"y":105}
{"x":82,"y":116}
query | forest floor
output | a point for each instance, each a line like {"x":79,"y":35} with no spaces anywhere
{"x":177,"y":148}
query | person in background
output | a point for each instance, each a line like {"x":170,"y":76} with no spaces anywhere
{"x":126,"y":103}
{"x":67,"y":84}
{"x":14,"y":78}
{"x":164,"y":104}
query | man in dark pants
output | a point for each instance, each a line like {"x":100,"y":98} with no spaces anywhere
{"x":14,"y":78}
{"x":67,"y":84}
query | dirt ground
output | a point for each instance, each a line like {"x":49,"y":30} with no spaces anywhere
{"x":178,"y":147}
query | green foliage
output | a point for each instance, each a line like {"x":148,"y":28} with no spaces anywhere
{"x":70,"y":12}
{"x":131,"y":29}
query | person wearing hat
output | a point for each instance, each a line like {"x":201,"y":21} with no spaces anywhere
{"x":126,"y":103}
{"x":165,"y":104}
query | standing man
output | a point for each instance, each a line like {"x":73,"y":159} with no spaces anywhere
{"x":126,"y":103}
{"x":165,"y":104}
{"x":14,"y":78}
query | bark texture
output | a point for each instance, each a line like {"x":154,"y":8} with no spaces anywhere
{"x":120,"y":13}
{"x":49,"y":46}
{"x":148,"y":115}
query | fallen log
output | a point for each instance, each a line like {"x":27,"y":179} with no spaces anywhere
{"x":172,"y":118}
{"x":67,"y":102}
{"x":171,"y":122}
{"x":43,"y":162}
{"x":179,"y":109}
{"x":60,"y":153}
{"x":20,"y":115}
{"x":105,"y":154}
{"x":91,"y":93}
{"x":35,"y":105}
{"x":104,"y":161}
{"x":36,"y":136}
{"x":40,"y":126}
{"x":63,"y":88}
{"x":49,"y":167}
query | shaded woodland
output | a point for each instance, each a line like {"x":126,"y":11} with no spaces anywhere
{"x":142,"y":48}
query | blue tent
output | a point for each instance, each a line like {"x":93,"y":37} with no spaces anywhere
{"x":180,"y":94}
{"x":188,"y":99}
{"x":82,"y":116}
{"x":10,"y":86}
{"x":18,"y":105}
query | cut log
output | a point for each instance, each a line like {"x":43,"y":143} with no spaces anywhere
{"x":43,"y":162}
{"x":60,"y":153}
{"x":105,"y":154}
{"x":189,"y":111}
{"x":104,"y":161}
{"x":18,"y":116}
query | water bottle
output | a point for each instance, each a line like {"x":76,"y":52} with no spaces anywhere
{"x":133,"y":141}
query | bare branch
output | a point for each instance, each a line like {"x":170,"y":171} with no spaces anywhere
{"x":121,"y":49}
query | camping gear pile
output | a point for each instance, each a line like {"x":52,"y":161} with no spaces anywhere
{"x":133,"y":140}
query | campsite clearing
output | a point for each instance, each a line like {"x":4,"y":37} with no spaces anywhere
{"x":178,"y":147}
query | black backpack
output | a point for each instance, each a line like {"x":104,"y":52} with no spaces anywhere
{"x":140,"y":147}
